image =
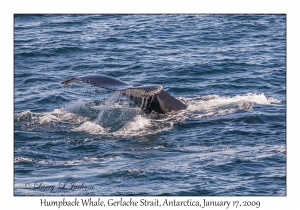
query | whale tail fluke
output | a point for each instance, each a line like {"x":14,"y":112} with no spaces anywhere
{"x":148,"y":97}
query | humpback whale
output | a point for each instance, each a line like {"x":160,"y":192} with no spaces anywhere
{"x":150,"y":98}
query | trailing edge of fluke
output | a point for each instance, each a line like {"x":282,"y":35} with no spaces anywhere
{"x":148,"y":97}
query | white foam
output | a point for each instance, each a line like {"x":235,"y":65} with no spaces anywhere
{"x":23,"y":159}
{"x":90,"y":127}
{"x":255,"y":98}
{"x":136,"y":126}
{"x":43,"y":162}
{"x":66,"y":117}
{"x":23,"y":116}
{"x":58,"y":115}
{"x":91,"y":159}
{"x":214,"y":104}
{"x":48,"y":118}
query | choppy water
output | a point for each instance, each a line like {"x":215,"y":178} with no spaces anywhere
{"x":229,"y":69}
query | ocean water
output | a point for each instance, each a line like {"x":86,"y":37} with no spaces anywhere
{"x":82,"y":140}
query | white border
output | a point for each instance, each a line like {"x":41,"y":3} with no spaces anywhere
{"x":9,"y":8}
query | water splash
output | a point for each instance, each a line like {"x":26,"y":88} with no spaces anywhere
{"x":107,"y":104}
{"x":90,"y":127}
{"x":116,"y":117}
{"x":137,"y":126}
{"x":212,"y":105}
{"x":75,"y":107}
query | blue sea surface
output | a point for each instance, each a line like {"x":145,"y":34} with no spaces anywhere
{"x":83,"y":140}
